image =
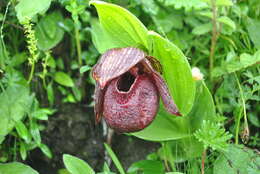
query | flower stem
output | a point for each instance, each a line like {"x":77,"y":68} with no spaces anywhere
{"x":203,"y":158}
{"x":78,"y":46}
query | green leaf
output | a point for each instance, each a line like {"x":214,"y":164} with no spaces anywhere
{"x":168,"y":127}
{"x":237,"y":63}
{"x":35,"y":132}
{"x":42,"y":113}
{"x":121,"y":25}
{"x":237,"y":159}
{"x":254,"y":34}
{"x":15,"y":102}
{"x":48,"y":33}
{"x":63,"y":79}
{"x":224,"y":3}
{"x":101,"y":39}
{"x":26,"y":9}
{"x":22,"y":150}
{"x":76,"y":166}
{"x":213,"y":135}
{"x":45,"y":149}
{"x":202,"y":29}
{"x":115,"y":159}
{"x":84,"y":68}
{"x":227,"y":21}
{"x":176,"y":71}
{"x":22,"y":131}
{"x":50,"y":94}
{"x":16,"y":168}
{"x":187,"y":4}
{"x":147,"y":167}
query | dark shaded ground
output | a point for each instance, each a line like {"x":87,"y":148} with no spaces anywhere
{"x":72,"y":131}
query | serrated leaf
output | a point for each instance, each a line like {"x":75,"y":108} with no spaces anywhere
{"x":63,"y":79}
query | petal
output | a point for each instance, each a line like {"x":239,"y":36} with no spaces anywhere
{"x":168,"y":101}
{"x":99,"y":98}
{"x":115,"y":62}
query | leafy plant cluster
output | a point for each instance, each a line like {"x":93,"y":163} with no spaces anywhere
{"x":48,"y":47}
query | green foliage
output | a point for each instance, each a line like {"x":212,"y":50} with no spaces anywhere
{"x":63,"y":79}
{"x":25,"y":9}
{"x":76,"y":166}
{"x":212,"y":135}
{"x":47,"y":32}
{"x":237,"y":159}
{"x":16,"y":168}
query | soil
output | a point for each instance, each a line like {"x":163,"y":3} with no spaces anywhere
{"x":72,"y":131}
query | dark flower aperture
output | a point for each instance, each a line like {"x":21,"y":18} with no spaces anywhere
{"x":128,"y":89}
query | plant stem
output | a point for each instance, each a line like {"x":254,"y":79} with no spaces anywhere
{"x":203,"y":157}
{"x":31,"y":73}
{"x":213,"y":38}
{"x":244,"y":107}
{"x":78,"y":46}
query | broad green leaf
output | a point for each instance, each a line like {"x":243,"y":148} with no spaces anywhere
{"x":237,"y":159}
{"x":101,"y":39}
{"x":22,"y":131}
{"x":115,"y":159}
{"x":15,"y":102}
{"x":76,"y":166}
{"x":176,"y":71}
{"x":168,"y":127}
{"x":121,"y":25}
{"x":147,"y":167}
{"x":202,"y":29}
{"x":48,"y":33}
{"x":203,"y":108}
{"x":16,"y":168}
{"x":63,"y":79}
{"x":253,"y":30}
{"x":227,"y":21}
{"x":27,"y":9}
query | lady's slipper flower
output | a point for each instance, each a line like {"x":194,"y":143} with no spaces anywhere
{"x":128,"y":89}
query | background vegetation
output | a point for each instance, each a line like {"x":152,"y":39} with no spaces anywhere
{"x":48,"y":47}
